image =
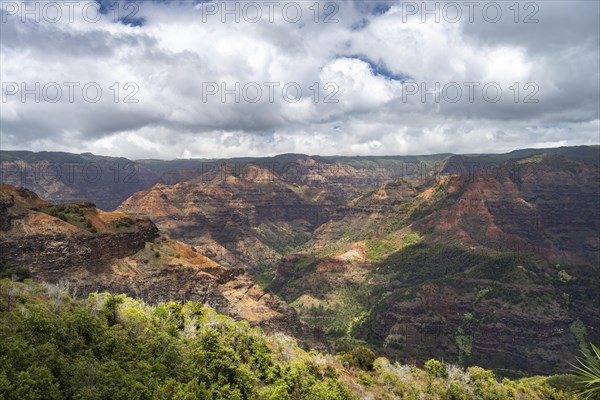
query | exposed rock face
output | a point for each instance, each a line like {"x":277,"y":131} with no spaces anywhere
{"x":550,"y":206}
{"x":49,"y":246}
{"x":108,"y":181}
{"x":340,"y":182}
{"x":517,"y":326}
{"x":496,"y":268}
{"x":123,"y":254}
{"x":363,"y":216}
{"x":252,"y":214}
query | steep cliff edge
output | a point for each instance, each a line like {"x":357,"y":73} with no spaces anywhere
{"x":99,"y":251}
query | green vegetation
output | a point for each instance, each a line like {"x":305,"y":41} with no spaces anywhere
{"x":18,"y":273}
{"x":113,"y":347}
{"x":441,"y":197}
{"x":283,"y":237}
{"x":378,"y":249}
{"x":564,"y":277}
{"x":68,"y":213}
{"x":588,"y":372}
{"x":430,"y":278}
{"x":359,"y":357}
{"x":265,"y":277}
{"x":551,"y":160}
{"x":338,"y":312}
{"x":434,"y":275}
{"x":74,"y":214}
{"x":579,"y":330}
{"x":436,"y":369}
{"x":456,"y":391}
{"x":558,"y":387}
{"x":482,"y":293}
{"x":464,"y":344}
{"x":124,"y":223}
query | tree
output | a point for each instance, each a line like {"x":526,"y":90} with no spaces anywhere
{"x":360,"y":357}
{"x":436,"y":369}
{"x":111,"y":307}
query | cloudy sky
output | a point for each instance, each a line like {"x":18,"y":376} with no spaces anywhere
{"x":168,"y":79}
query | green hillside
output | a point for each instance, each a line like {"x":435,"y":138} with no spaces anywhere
{"x":53,"y":346}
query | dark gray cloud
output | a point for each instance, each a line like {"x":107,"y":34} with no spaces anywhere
{"x":543,"y":27}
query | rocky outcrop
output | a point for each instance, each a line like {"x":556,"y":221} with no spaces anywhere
{"x":49,"y":246}
{"x":253,"y":215}
{"x":97,"y":251}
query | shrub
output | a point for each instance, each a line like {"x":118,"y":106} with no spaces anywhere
{"x":589,"y":374}
{"x":478,"y":374}
{"x":110,"y":308}
{"x":114,"y":347}
{"x":365,"y":379}
{"x":564,"y":277}
{"x":359,"y":357}
{"x":456,"y":391}
{"x":19,"y":273}
{"x":579,"y":330}
{"x":436,"y":369}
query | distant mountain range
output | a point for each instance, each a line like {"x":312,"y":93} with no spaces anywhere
{"x":107,"y":181}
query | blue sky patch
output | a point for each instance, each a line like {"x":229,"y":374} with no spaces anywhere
{"x":379,"y":68}
{"x":360,"y":25}
{"x":126,"y":12}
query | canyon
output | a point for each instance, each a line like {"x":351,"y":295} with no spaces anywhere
{"x":487,"y":259}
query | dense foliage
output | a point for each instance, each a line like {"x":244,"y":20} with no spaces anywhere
{"x":113,"y":347}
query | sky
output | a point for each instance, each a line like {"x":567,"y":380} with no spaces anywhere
{"x":194,"y":79}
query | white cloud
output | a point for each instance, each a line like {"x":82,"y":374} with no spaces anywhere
{"x":178,"y":54}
